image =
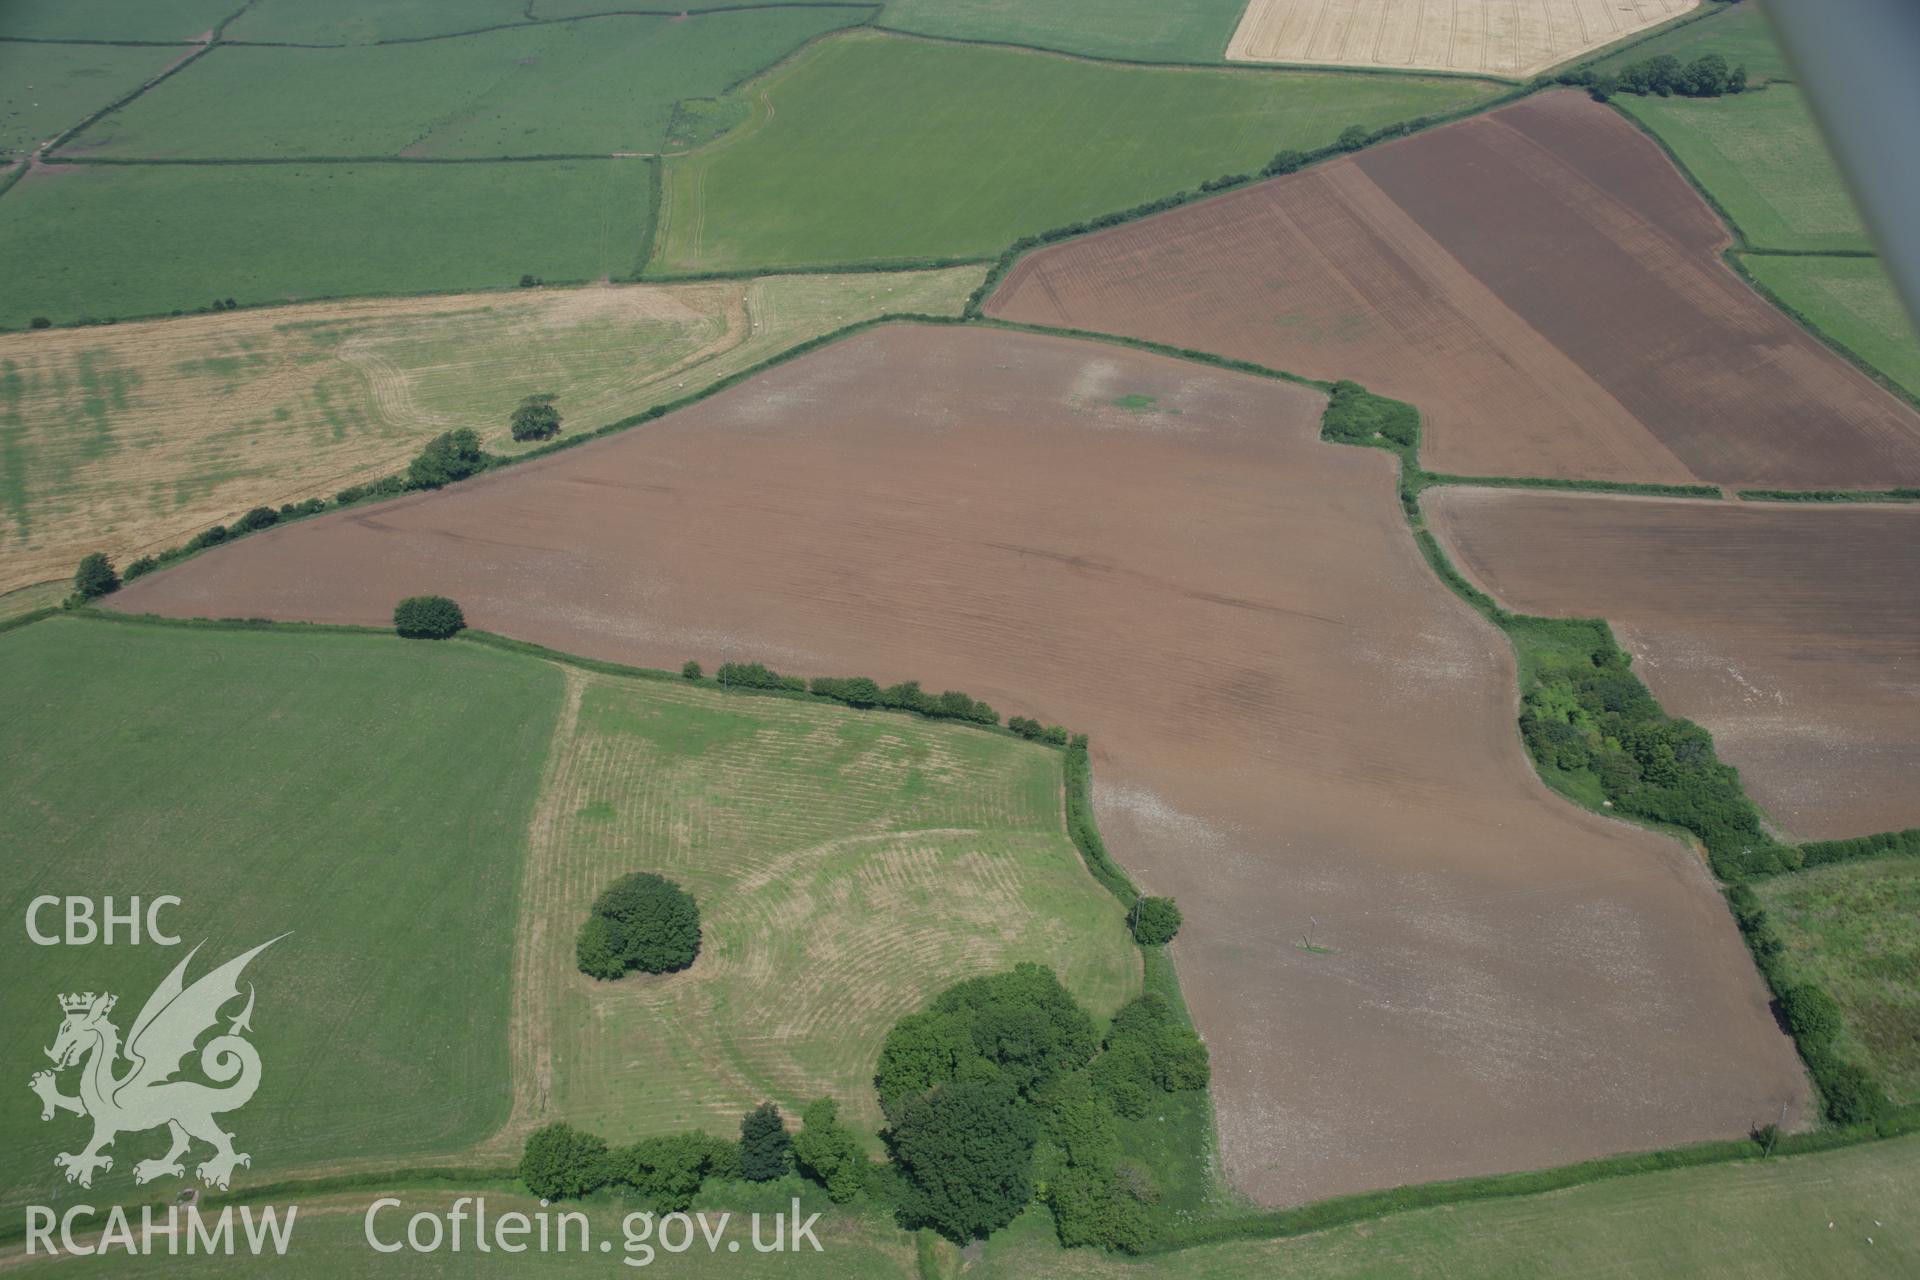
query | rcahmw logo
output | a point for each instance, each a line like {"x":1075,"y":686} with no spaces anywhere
{"x":146,"y":1094}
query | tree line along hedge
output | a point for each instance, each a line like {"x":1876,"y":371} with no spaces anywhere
{"x":855,"y":691}
{"x":665,"y":1172}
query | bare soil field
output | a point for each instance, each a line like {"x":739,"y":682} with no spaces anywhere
{"x":1293,"y":720}
{"x":133,"y":437}
{"x":1497,"y":37}
{"x":1564,"y":313}
{"x":1792,"y":632}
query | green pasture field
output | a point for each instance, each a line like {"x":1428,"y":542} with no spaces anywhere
{"x":113,"y":19}
{"x":1763,"y":158}
{"x":1750,"y":1221}
{"x":1854,"y":928}
{"x":1852,"y":301}
{"x":595,"y":86}
{"x":366,"y":21}
{"x":848,"y":866}
{"x":370,"y":794}
{"x":48,"y":88}
{"x":1737,"y":32}
{"x":997,"y":143}
{"x":105,"y":241}
{"x":1140,"y":30}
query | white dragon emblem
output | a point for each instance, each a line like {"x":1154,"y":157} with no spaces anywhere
{"x":146,"y":1095}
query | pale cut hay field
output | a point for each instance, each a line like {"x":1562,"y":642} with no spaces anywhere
{"x":1488,"y":37}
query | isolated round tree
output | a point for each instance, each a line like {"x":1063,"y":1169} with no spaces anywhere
{"x":650,"y":923}
{"x":1155,"y":921}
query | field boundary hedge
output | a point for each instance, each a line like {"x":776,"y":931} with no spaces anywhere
{"x":1320,"y":1215}
{"x":798,"y":692}
{"x":1703,"y":798}
{"x":1594,"y":57}
{"x":1440,"y":479}
{"x":214,"y":162}
{"x":1020,"y":248}
{"x":1180,"y":64}
{"x":409,"y":1177}
{"x":1737,"y":260}
{"x":871,"y":6}
{"x":1734,"y":257}
{"x":46,"y":152}
{"x":120,"y":44}
{"x":28,"y":618}
{"x":1829,"y":495}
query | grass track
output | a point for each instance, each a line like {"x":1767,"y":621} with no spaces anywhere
{"x":118,"y":240}
{"x":133,"y":438}
{"x":370,"y":794}
{"x":1854,"y":928}
{"x":1850,"y":300}
{"x":1140,"y":30}
{"x":48,"y":88}
{"x":591,"y":87}
{"x":998,"y":143}
{"x":1764,"y":161}
{"x":848,"y":865}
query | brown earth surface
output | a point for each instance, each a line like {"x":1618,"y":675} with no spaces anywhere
{"x":1541,"y":281}
{"x":1296,"y":726}
{"x":1791,"y":632}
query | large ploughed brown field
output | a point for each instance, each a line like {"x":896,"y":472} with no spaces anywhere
{"x":1791,"y":632}
{"x":1296,"y":727}
{"x":1541,"y":281}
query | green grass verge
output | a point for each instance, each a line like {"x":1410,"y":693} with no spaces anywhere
{"x":46,"y":89}
{"x":596,"y":86}
{"x":1854,"y":929}
{"x":113,"y":19}
{"x":1851,"y":303}
{"x":1737,"y":32}
{"x":872,"y":147}
{"x":1135,"y":30}
{"x":368,"y":793}
{"x":122,"y":241}
{"x":1762,"y":159}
